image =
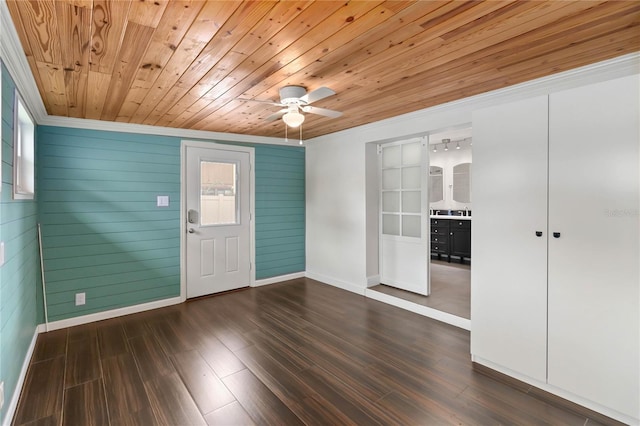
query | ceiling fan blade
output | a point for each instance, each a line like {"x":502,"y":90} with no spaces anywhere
{"x":322,"y":111}
{"x":260,"y":101}
{"x":276,"y":115}
{"x":316,"y":95}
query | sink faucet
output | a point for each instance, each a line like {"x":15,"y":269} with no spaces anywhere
{"x":466,"y":211}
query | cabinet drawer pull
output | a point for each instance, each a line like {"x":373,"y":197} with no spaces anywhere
{"x":451,"y":233}
{"x":538,"y":233}
{"x":435,"y":230}
{"x":556,"y":235}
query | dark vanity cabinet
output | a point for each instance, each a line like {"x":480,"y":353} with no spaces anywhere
{"x":451,"y":238}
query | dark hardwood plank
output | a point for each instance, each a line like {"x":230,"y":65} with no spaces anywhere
{"x":125,"y":393}
{"x":218,"y":356}
{"x":111,"y":339}
{"x":171,"y":402}
{"x":85,"y":405}
{"x":410,"y":413}
{"x":50,"y":345}
{"x":83,"y":362}
{"x":258,"y":401}
{"x":52,"y":420}
{"x":143,"y":417}
{"x":150,"y":358}
{"x":345,"y":399}
{"x":298,"y":352}
{"x":231,"y":414}
{"x":83,"y":332}
{"x":42,"y":393}
{"x":135,"y":325}
{"x":206,"y":388}
{"x":171,"y":340}
{"x":289,"y":388}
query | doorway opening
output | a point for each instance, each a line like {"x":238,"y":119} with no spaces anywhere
{"x":446,"y":226}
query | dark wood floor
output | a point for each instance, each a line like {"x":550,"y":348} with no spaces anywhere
{"x":298,"y":352}
{"x":450,"y":289}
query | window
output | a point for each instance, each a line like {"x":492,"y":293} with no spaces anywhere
{"x":218,"y":193}
{"x":23,"y":152}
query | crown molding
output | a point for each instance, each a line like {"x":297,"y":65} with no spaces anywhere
{"x":112,"y":126}
{"x":415,"y":123}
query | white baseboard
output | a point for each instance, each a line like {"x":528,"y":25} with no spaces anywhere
{"x":13,"y":404}
{"x":373,"y":280}
{"x":559,"y":392}
{"x":336,"y":282}
{"x":420,"y":309}
{"x":113,"y":313}
{"x":278,"y":279}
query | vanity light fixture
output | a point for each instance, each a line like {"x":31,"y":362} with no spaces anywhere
{"x":445,"y":142}
{"x":458,"y":145}
{"x":435,"y":148}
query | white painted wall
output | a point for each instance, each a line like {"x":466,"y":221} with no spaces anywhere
{"x":336,"y":240}
{"x":336,"y":205}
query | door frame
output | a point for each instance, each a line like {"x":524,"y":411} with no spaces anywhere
{"x":184,"y":144}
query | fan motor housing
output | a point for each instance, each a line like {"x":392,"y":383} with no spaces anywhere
{"x":292,"y":94}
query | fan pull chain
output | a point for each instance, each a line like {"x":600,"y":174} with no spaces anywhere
{"x":286,"y":139}
{"x":301,"y":134}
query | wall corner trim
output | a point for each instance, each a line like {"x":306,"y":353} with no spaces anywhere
{"x":373,"y":280}
{"x":279,"y":279}
{"x":13,"y":403}
{"x":113,"y":313}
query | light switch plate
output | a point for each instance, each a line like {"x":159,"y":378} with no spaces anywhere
{"x":80,"y":299}
{"x":1,"y":253}
{"x":162,"y":201}
{"x":1,"y":395}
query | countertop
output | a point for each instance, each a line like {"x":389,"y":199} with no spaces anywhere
{"x":444,"y":216}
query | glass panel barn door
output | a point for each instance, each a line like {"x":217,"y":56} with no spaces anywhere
{"x":403,"y":230}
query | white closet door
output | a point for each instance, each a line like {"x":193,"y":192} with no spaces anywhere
{"x":509,"y":269}
{"x":594,"y":323}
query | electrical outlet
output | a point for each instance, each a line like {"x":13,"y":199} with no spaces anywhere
{"x":1,"y":395}
{"x":1,"y":253}
{"x":80,"y":299}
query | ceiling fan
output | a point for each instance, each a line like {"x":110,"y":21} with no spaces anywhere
{"x":295,"y":100}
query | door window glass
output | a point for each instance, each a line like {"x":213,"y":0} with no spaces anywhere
{"x":218,"y":193}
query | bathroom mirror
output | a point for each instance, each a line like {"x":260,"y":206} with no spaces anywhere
{"x":462,"y":183}
{"x":436,"y":189}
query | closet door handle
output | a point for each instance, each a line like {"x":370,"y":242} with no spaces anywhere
{"x":556,"y":235}
{"x":538,"y":233}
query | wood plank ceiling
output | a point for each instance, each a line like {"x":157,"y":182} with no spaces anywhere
{"x":185,"y":64}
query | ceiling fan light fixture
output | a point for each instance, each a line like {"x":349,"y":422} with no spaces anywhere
{"x":293,"y":118}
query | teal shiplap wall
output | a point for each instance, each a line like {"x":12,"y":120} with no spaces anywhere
{"x":103,"y":234}
{"x":280,"y":210}
{"x":19,"y":276}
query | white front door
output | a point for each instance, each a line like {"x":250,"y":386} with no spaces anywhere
{"x":404,"y":249}
{"x":217,"y":218}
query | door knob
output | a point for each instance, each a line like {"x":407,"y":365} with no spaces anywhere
{"x":556,"y":235}
{"x":191,"y":230}
{"x":538,"y":233}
